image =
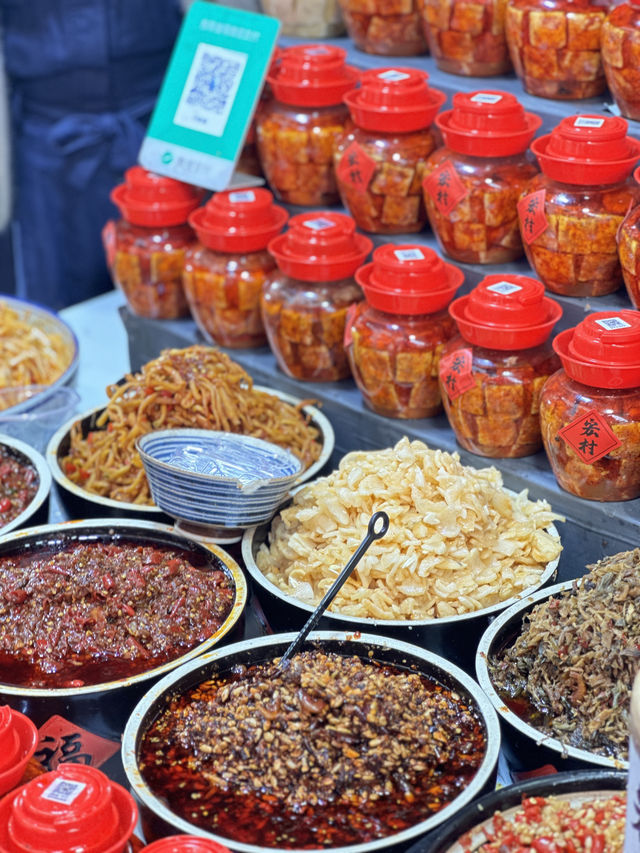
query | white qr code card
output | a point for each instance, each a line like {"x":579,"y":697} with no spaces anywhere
{"x":208,"y":96}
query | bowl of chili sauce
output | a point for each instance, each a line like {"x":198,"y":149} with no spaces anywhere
{"x":337,"y":745}
{"x":25,"y":484}
{"x":93,"y":611}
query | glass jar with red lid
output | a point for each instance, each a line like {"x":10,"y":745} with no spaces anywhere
{"x":385,"y":27}
{"x":305,"y":302}
{"x":492,"y":374}
{"x":394,"y":338}
{"x":570,"y":214}
{"x":590,"y":410}
{"x":379,"y":159}
{"x":555,"y":46}
{"x":297,"y":128}
{"x":628,"y":239}
{"x":467,"y":38}
{"x":620,"y":49}
{"x":472,"y":185}
{"x":224,"y":272}
{"x":75,"y":807}
{"x":145,"y":249}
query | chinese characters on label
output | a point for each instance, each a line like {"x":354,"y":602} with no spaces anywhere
{"x":455,"y":373}
{"x":63,"y":742}
{"x":533,"y":221}
{"x":445,"y":187}
{"x":590,"y":436}
{"x":356,"y":168}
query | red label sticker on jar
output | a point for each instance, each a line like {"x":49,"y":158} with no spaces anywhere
{"x":63,"y":742}
{"x":456,"y":373}
{"x":533,"y":221}
{"x":445,"y":187}
{"x":348,"y":322}
{"x":590,"y":436}
{"x":356,"y":168}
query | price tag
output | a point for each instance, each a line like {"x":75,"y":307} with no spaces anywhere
{"x":63,"y":742}
{"x":242,"y":197}
{"x":456,"y":373}
{"x":445,"y":187}
{"x":588,"y":121}
{"x":590,"y":436}
{"x":486,"y":98}
{"x":208,"y":96}
{"x":356,"y":168}
{"x":409,"y":255}
{"x":533,"y":221}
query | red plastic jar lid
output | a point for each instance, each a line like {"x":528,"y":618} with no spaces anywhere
{"x":320,"y":246}
{"x":312,"y":75}
{"x":506,"y":312}
{"x":18,"y":742}
{"x":487,"y":124}
{"x":73,"y":808}
{"x":394,"y":100}
{"x":408,"y":279}
{"x":603,"y":350}
{"x":587,"y":149}
{"x":185,"y":844}
{"x":149,"y":199}
{"x":238,"y":220}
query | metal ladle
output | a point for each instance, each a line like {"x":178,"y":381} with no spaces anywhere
{"x":336,"y":586}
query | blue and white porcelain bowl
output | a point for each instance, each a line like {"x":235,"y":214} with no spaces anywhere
{"x":217,"y":479}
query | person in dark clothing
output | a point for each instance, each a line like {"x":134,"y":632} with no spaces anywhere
{"x":82,"y":79}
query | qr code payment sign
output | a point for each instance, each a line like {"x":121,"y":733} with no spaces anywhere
{"x":210,"y":89}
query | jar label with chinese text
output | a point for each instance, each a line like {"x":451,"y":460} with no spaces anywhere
{"x":533,"y":221}
{"x":590,"y":436}
{"x":356,"y":168}
{"x":445,"y":187}
{"x":63,"y":742}
{"x":456,"y":373}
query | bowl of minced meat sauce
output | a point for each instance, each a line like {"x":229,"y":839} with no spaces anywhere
{"x":359,"y":743}
{"x":90,"y":607}
{"x":25,"y":483}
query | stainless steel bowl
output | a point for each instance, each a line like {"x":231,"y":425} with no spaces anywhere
{"x":159,"y":821}
{"x":526,"y":746}
{"x":453,"y":637}
{"x":104,"y":708}
{"x":37,"y":510}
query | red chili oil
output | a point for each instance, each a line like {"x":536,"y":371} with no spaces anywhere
{"x":260,"y":818}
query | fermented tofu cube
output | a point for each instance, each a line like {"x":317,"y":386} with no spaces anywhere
{"x":400,"y":211}
{"x":315,"y":358}
{"x":375,"y":367}
{"x":437,"y":13}
{"x":249,"y":290}
{"x":385,"y":397}
{"x":540,"y":63}
{"x":598,"y":266}
{"x":468,"y":18}
{"x":629,"y":435}
{"x":583,"y":30}
{"x":364,"y":207}
{"x":497,"y":15}
{"x":497,"y":431}
{"x":297,"y":326}
{"x":629,"y":253}
{"x":360,"y":7}
{"x":628,"y":80}
{"x":632,"y":50}
{"x":281,"y":175}
{"x":462,"y":212}
{"x":321,"y":142}
{"x":500,"y":206}
{"x":357,"y":25}
{"x":467,"y":235}
{"x":286,"y":351}
{"x":549,"y":237}
{"x":333,"y":327}
{"x":293,"y":145}
{"x":619,"y":201}
{"x":580,"y":64}
{"x":547,"y":29}
{"x":166,"y":266}
{"x":551,"y":267}
{"x":425,"y":395}
{"x":514,"y":23}
{"x":394,"y":7}
{"x":582,"y":234}
{"x":507,"y":235}
{"x":529,"y":431}
{"x":612,"y":40}
{"x":456,"y":45}
{"x":472,"y":401}
{"x":462,"y":422}
{"x":413,"y":366}
{"x":503,"y":399}
{"x":536,"y":390}
{"x":126,"y":270}
{"x":415,"y":187}
{"x":392,"y":179}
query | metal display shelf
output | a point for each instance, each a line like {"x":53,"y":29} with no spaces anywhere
{"x":593,"y":529}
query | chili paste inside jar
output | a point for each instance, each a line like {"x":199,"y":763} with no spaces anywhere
{"x":76,"y":612}
{"x":19,"y":483}
{"x":333,"y":750}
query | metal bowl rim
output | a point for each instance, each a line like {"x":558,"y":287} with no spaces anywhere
{"x":436,"y":662}
{"x":482,"y":673}
{"x":241,"y":594}
{"x":44,"y":478}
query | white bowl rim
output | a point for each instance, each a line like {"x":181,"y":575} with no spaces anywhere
{"x":44,"y":481}
{"x":372,"y":621}
{"x":484,"y":707}
{"x":482,"y":673}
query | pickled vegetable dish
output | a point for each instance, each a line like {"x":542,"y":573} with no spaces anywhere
{"x":333,"y":750}
{"x":19,"y":484}
{"x":80,"y":613}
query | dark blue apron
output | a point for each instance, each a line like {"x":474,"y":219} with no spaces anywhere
{"x":83,"y":75}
